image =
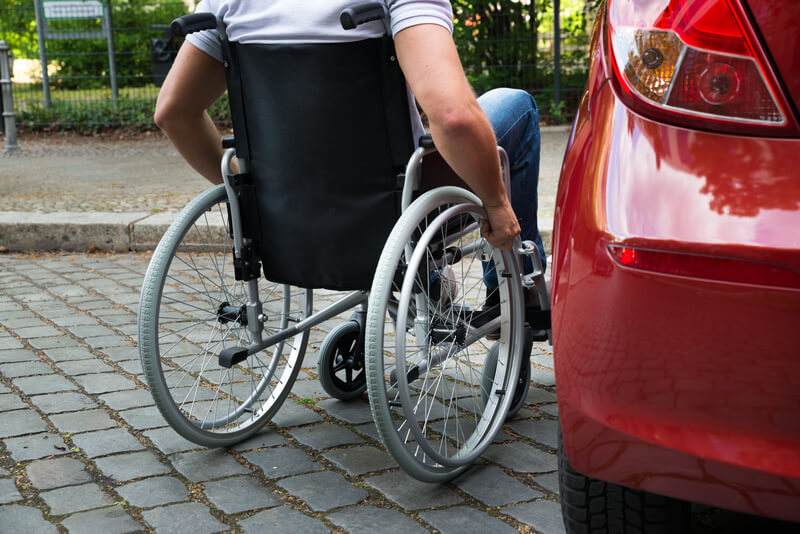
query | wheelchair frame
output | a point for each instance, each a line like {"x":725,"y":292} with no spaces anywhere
{"x":409,"y":313}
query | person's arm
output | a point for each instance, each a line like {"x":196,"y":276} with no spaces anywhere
{"x":195,"y":81}
{"x":459,"y":127}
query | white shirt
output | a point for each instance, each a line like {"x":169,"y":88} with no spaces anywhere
{"x":313,"y":21}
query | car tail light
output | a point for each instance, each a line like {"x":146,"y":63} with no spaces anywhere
{"x":718,"y":268}
{"x":696,"y":62}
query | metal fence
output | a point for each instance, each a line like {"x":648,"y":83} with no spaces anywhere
{"x":90,"y":64}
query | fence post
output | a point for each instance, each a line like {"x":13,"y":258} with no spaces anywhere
{"x":557,"y":52}
{"x":9,"y":118}
{"x":40,"y":22}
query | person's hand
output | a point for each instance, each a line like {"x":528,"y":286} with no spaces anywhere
{"x":502,"y":226}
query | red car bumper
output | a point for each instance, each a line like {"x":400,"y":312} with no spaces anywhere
{"x":682,"y":385}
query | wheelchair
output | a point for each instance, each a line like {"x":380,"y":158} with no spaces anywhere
{"x":226,"y":304}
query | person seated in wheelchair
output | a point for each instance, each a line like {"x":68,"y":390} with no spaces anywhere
{"x":466,"y":130}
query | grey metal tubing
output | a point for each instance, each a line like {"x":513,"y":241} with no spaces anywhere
{"x":9,"y":117}
{"x":236,"y":220}
{"x":351,"y":300}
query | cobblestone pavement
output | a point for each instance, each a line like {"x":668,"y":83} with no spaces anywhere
{"x":83,"y":448}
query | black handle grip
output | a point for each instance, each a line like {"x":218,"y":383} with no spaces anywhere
{"x":361,"y":13}
{"x":183,"y":26}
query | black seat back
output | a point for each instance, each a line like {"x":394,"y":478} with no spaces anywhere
{"x":325,"y":131}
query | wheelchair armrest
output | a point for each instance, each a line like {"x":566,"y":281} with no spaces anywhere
{"x":183,"y":26}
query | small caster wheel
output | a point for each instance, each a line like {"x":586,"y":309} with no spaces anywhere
{"x":341,"y":363}
{"x":520,"y":386}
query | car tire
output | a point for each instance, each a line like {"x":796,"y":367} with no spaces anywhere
{"x":592,"y":506}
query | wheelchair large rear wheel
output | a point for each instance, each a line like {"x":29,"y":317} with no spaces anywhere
{"x":192,"y":308}
{"x":425,"y":337}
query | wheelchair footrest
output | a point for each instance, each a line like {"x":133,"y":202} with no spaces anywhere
{"x":231,"y":356}
{"x":537,"y":319}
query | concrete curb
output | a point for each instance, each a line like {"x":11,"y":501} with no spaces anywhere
{"x":22,"y":231}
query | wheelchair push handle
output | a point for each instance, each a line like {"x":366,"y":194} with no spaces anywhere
{"x":358,"y":14}
{"x":183,"y":26}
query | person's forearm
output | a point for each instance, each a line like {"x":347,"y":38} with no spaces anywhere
{"x":196,"y":138}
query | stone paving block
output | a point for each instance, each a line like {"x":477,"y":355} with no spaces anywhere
{"x":355,"y":411}
{"x":143,"y":418}
{"x":34,"y":385}
{"x":324,"y":490}
{"x":544,"y":516}
{"x":8,"y":491}
{"x":38,"y":331}
{"x":75,"y":319}
{"x":156,"y":491}
{"x":493,"y":487}
{"x":29,"y":368}
{"x":292,"y":414}
{"x":133,"y":367}
{"x":544,"y":432}
{"x":64,"y":354}
{"x":283,"y":520}
{"x":521,"y":457}
{"x":188,"y":518}
{"x":412,"y":494}
{"x":16,"y":354}
{"x":20,"y":422}
{"x":104,"y":442}
{"x":75,"y":499}
{"x":549,"y":409}
{"x":23,"y":322}
{"x":10,"y":401}
{"x":309,"y":389}
{"x":121,"y":353}
{"x":63,"y":402}
{"x":265,"y":438}
{"x":57,"y":473}
{"x":42,"y":343}
{"x":112,"y":520}
{"x":35,"y":446}
{"x":124,"y":467}
{"x":369,"y":430}
{"x":543,"y":377}
{"x":465,"y":520}
{"x":15,"y":518}
{"x":324,"y":436}
{"x":129,"y":398}
{"x":4,"y":389}
{"x":104,"y":342}
{"x":90,"y":331}
{"x":207,"y":465}
{"x":84,"y":367}
{"x":539,"y":395}
{"x":374,"y":519}
{"x":104,"y":382}
{"x":360,"y":460}
{"x":83,"y":421}
{"x":240,"y":494}
{"x":282,"y":461}
{"x":168,"y":441}
{"x":548,"y":482}
{"x":9,"y":343}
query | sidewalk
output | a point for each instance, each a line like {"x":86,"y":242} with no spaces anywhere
{"x":81,"y":193}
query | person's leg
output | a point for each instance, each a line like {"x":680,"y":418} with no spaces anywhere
{"x":515,"y":118}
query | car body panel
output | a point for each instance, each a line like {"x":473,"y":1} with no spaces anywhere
{"x":678,"y":385}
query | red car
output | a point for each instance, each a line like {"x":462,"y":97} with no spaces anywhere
{"x":676,"y":272}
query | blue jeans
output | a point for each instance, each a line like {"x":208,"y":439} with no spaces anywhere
{"x":515,"y":118}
